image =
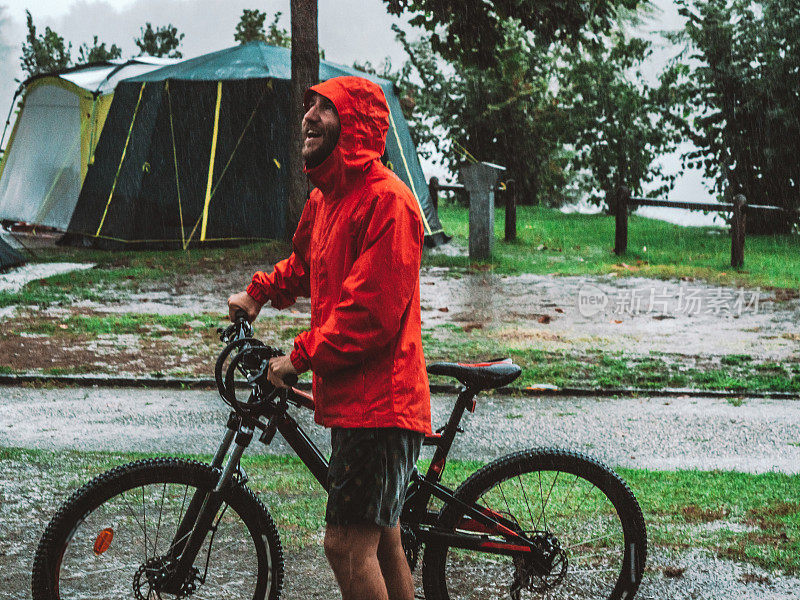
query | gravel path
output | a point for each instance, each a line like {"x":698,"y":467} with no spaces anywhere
{"x":661,"y":433}
{"x":657,"y":433}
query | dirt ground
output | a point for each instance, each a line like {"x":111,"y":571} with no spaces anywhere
{"x":686,"y":323}
{"x":630,"y":314}
{"x":552,"y":312}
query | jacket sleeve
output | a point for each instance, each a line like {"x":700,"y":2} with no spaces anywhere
{"x":375,"y":293}
{"x":289,"y":278}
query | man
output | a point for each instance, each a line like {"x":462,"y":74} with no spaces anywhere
{"x":357,"y":253}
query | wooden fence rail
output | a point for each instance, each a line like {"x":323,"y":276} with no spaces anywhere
{"x":739,"y":207}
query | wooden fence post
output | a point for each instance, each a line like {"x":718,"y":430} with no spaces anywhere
{"x":621,"y":219}
{"x":511,"y":210}
{"x":738,"y":223}
{"x":433,"y":190}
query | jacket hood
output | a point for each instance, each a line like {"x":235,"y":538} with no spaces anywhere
{"x":364,"y":120}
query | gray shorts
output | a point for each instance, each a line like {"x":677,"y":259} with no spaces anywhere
{"x":369,"y":473}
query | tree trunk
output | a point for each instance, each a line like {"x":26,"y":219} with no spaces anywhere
{"x":305,"y":73}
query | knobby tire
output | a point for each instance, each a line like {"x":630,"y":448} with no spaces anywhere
{"x":142,"y":503}
{"x":584,"y":504}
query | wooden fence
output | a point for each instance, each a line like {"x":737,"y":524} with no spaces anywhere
{"x":507,"y":191}
{"x":739,"y":207}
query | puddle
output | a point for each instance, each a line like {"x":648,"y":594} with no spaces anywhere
{"x":15,"y":279}
{"x":631,"y":314}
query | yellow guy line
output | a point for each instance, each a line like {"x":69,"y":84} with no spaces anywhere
{"x":464,"y":151}
{"x":211,"y":163}
{"x":121,"y":159}
{"x":408,"y":172}
{"x":153,"y":241}
{"x":175,"y":160}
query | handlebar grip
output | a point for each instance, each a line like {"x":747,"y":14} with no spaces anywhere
{"x":240,"y":315}
{"x":290,"y":380}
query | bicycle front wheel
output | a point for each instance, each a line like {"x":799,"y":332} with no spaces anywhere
{"x":116,"y":538}
{"x":576,"y":509}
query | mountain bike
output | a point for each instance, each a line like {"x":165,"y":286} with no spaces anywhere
{"x":539,"y":523}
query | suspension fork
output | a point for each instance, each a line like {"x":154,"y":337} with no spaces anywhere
{"x":203,"y":507}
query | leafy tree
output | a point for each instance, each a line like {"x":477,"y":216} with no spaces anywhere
{"x":97,"y":52}
{"x":250,"y":28}
{"x":736,"y":98}
{"x":617,"y":132}
{"x":163,"y":41}
{"x":506,"y":115}
{"x":564,"y":119}
{"x":470,"y":31}
{"x":43,"y":53}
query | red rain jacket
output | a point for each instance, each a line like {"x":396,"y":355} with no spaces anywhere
{"x":357,"y":253}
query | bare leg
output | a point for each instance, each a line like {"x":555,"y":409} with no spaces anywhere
{"x":352,"y":551}
{"x":394,"y":566}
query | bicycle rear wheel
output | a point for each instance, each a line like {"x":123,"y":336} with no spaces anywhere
{"x":577,"y":508}
{"x":112,"y":539}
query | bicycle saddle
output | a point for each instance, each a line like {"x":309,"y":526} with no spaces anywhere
{"x":479,"y":376}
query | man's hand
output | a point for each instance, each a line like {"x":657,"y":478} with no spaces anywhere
{"x":243,"y":301}
{"x":280,"y":367}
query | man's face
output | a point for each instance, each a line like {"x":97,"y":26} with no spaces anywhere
{"x":321,"y":129}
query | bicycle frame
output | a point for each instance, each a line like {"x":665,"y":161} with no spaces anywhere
{"x":486,"y":530}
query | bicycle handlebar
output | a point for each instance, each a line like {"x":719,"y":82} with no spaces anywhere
{"x":250,"y":357}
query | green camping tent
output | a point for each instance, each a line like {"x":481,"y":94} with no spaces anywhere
{"x":197,"y":153}
{"x":54,"y":137}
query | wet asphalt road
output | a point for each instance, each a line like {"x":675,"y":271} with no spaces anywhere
{"x":659,"y":433}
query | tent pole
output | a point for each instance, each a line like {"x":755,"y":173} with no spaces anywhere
{"x":8,"y":118}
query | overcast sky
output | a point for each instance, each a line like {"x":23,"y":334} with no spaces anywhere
{"x":349,"y":30}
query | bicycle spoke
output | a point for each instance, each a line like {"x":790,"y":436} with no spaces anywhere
{"x":524,"y":495}
{"x":133,"y":514}
{"x":589,"y":541}
{"x":144,"y":520}
{"x":99,"y":571}
{"x":160,"y":513}
{"x":546,"y":501}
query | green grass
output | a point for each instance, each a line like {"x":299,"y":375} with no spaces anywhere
{"x":153,"y":325}
{"x":749,"y":517}
{"x":757,"y":517}
{"x":573,"y":244}
{"x":599,"y":368}
{"x":187,"y":262}
{"x":97,"y":284}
